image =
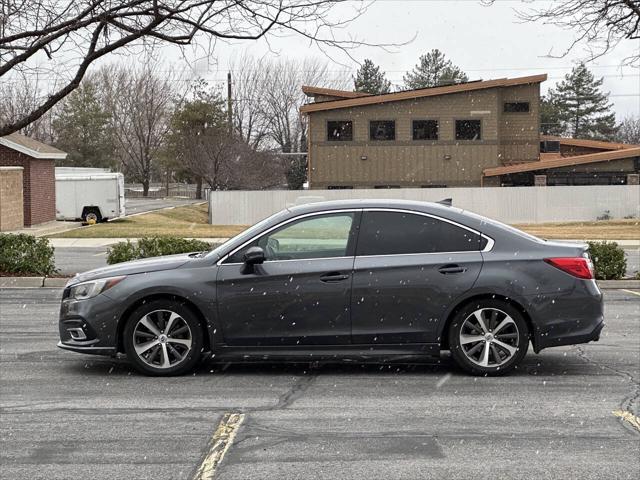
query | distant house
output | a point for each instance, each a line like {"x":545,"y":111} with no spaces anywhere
{"x":483,"y":133}
{"x":34,"y":162}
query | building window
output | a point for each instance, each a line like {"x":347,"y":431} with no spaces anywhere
{"x":386,"y":186}
{"x":425,"y":130}
{"x":340,"y":131}
{"x":516,"y":107}
{"x":382,"y":130}
{"x":468,"y":130}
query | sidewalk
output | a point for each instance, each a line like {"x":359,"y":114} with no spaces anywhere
{"x":48,"y":228}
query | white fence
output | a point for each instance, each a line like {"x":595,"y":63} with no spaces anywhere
{"x":509,"y":205}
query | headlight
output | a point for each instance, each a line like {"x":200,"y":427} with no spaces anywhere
{"x":86,"y":290}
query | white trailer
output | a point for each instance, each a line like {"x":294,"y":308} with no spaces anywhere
{"x":89,"y":194}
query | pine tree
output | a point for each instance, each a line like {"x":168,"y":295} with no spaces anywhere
{"x":369,"y":79}
{"x":550,"y":121}
{"x":584,"y":110}
{"x":82,"y":129}
{"x":432,"y":70}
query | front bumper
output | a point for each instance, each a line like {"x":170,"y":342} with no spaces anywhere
{"x":87,"y":349}
{"x":89,"y":326}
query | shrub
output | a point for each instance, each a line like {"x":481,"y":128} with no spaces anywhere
{"x":608,"y":260}
{"x":153,"y":247}
{"x":122,"y":252}
{"x":26,"y":254}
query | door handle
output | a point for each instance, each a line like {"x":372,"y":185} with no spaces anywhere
{"x":333,"y":277}
{"x":446,"y":269}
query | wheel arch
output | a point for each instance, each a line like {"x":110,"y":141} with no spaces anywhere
{"x":207,"y":346}
{"x":86,"y":209}
{"x":443,"y":337}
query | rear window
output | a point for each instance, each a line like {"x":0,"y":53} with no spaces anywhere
{"x":396,"y":233}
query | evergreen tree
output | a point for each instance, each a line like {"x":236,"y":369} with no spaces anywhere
{"x":584,"y":110}
{"x":432,"y":70}
{"x":82,"y":129}
{"x":550,"y":121}
{"x":369,"y":79}
{"x":196,"y":124}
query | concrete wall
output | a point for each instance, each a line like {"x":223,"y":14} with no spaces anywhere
{"x":11,"y":208}
{"x":510,"y":205}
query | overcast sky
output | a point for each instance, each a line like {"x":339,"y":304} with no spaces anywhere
{"x":485,"y":41}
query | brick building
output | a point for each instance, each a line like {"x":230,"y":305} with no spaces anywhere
{"x":38,"y":175}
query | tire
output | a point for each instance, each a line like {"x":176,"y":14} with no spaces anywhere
{"x":493,"y":346}
{"x":91,"y":215}
{"x":156,"y":352}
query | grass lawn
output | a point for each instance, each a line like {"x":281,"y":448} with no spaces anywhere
{"x":597,"y":230}
{"x":188,"y":221}
{"x":191,"y":221}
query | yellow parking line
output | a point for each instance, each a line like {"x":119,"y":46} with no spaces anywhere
{"x":628,"y":417}
{"x":220,"y":443}
{"x":630,"y":291}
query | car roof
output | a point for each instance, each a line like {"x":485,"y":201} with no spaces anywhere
{"x":319,"y":206}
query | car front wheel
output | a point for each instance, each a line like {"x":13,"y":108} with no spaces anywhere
{"x":162,"y":338}
{"x":488,"y":337}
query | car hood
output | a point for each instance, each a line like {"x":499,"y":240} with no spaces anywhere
{"x":153,"y":264}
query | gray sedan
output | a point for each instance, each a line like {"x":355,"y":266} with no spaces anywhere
{"x":361,"y":279}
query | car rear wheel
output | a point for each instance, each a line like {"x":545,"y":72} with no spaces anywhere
{"x":488,"y":337}
{"x":162,"y":338}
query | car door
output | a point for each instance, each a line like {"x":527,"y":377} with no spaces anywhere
{"x":301,"y":294}
{"x":409,"y":268}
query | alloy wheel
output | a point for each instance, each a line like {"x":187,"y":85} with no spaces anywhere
{"x":162,"y":339}
{"x":489,"y":337}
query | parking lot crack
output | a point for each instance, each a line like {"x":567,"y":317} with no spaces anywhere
{"x":296,"y":391}
{"x":629,"y":402}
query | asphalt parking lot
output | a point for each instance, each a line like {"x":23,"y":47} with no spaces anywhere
{"x":64,"y":415}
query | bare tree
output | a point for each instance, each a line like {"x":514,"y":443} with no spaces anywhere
{"x":249,"y":76}
{"x":629,"y":131}
{"x":64,"y":37}
{"x":268,"y":95}
{"x":601,"y":25}
{"x":19,"y":96}
{"x":140,"y":103}
{"x":226,"y":163}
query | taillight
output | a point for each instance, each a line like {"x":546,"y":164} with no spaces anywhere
{"x":580,"y":267}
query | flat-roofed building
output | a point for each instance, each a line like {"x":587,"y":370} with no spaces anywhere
{"x":454,"y":136}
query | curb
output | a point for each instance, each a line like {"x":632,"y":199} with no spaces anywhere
{"x":32,"y":282}
{"x":613,"y":284}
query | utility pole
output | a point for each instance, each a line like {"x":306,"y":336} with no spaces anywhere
{"x":229,"y":106}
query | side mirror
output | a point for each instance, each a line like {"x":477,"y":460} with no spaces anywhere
{"x":254,"y":256}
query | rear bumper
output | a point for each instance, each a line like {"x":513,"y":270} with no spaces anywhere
{"x":574,"y":338}
{"x":569,"y":318}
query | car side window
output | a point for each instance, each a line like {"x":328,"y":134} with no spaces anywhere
{"x":396,"y":233}
{"x":320,"y":236}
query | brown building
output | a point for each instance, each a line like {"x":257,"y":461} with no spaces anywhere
{"x":453,"y":136}
{"x":38,"y":175}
